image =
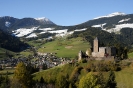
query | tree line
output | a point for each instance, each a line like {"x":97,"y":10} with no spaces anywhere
{"x":23,"y":78}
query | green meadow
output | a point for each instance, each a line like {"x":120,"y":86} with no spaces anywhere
{"x":65,"y":47}
{"x":130,"y":55}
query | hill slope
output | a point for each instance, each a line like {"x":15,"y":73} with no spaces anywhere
{"x":10,"y":42}
{"x":65,"y":47}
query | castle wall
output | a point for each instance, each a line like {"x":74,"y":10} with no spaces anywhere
{"x":108,"y":51}
{"x":102,"y":51}
{"x":95,"y":54}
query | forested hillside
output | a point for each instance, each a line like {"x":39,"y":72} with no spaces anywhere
{"x":125,"y":38}
{"x":10,"y":42}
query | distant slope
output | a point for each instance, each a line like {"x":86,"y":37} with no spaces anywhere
{"x":10,"y":42}
{"x":112,"y":23}
{"x":4,"y":53}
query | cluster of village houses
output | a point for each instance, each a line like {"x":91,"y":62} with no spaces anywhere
{"x":49,"y":59}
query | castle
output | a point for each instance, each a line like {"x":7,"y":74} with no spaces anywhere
{"x":102,"y":51}
{"x":99,"y":52}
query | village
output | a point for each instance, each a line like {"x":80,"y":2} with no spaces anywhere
{"x":48,"y":60}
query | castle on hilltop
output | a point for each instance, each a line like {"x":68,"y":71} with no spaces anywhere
{"x":99,"y":52}
{"x":102,"y":51}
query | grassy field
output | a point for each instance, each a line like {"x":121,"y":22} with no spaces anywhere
{"x":9,"y":71}
{"x":130,"y":55}
{"x":65,"y":48}
{"x":124,"y":78}
{"x":2,"y":53}
{"x":26,"y":53}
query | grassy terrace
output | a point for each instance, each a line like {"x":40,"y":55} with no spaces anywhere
{"x":65,"y":48}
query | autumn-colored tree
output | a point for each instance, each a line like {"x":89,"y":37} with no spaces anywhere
{"x":22,"y":76}
{"x":89,"y":81}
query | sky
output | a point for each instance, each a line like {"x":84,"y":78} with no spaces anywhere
{"x":64,"y":12}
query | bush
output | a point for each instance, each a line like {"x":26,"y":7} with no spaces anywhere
{"x":102,"y":66}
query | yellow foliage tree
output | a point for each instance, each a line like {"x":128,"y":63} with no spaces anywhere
{"x":89,"y":81}
{"x":22,"y":75}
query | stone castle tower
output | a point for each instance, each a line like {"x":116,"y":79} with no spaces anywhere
{"x":102,"y":51}
{"x":95,"y":47}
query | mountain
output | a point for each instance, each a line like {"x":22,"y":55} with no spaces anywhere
{"x":113,"y":28}
{"x":44,"y":28}
{"x":11,"y":23}
{"x":112,"y":23}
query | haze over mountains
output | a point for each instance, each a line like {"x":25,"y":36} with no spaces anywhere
{"x":33,"y":27}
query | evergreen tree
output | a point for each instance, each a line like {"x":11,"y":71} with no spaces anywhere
{"x":4,"y":81}
{"x":101,"y":80}
{"x":22,"y":75}
{"x":111,"y":83}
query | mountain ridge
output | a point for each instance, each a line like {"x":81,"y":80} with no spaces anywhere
{"x":24,"y":22}
{"x":113,"y":22}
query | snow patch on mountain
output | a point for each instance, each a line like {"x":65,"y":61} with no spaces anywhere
{"x":99,"y":25}
{"x":123,"y":20}
{"x":80,"y":29}
{"x":64,"y":33}
{"x":30,"y":32}
{"x":46,"y":29}
{"x":32,"y":35}
{"x":7,"y":24}
{"x":59,"y":31}
{"x":111,"y":15}
{"x":23,"y":31}
{"x":119,"y":27}
{"x":43,"y":19}
{"x":42,"y":32}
